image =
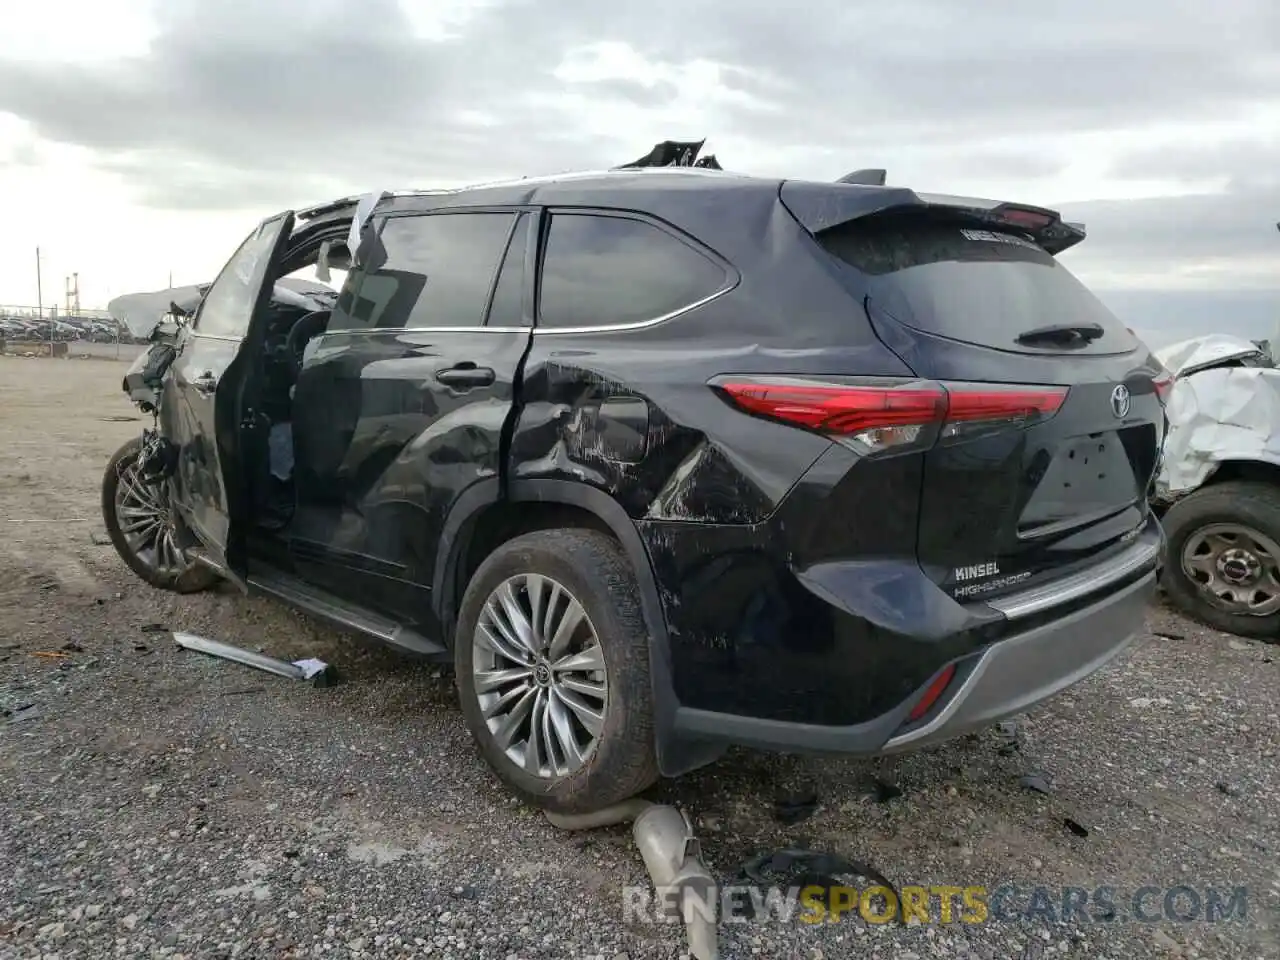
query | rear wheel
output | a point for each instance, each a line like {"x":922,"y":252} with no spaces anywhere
{"x":1222,"y":562}
{"x":143,"y":529}
{"x":552,"y":662}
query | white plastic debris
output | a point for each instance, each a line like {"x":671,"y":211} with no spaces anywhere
{"x":322,"y":262}
{"x":364,"y":210}
{"x":311,"y":667}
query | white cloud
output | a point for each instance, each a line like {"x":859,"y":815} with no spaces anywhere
{"x":138,"y":138}
{"x":76,"y":31}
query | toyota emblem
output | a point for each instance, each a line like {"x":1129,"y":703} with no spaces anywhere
{"x":1120,"y":401}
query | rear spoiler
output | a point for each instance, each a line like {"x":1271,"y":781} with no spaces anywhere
{"x":822,"y":206}
{"x":861,"y":193}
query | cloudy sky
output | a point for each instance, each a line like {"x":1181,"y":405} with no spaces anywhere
{"x":139,"y":139}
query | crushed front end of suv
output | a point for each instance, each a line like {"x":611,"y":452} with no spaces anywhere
{"x":667,"y":459}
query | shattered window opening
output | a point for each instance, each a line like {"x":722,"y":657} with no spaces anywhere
{"x":430,"y":270}
{"x":228,"y":306}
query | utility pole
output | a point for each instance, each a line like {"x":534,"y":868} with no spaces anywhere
{"x":40,"y":301}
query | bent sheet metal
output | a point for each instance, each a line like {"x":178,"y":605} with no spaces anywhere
{"x":1217,"y":413}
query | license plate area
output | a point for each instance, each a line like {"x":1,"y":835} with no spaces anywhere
{"x":1087,"y":476}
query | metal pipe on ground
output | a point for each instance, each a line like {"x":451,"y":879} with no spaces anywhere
{"x":216,"y":648}
{"x":673,"y":857}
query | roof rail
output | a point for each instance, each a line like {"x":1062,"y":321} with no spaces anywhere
{"x":869,"y":177}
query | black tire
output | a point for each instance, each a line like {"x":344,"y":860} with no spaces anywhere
{"x":1248,"y":504}
{"x":191,"y":580}
{"x":594,"y":570}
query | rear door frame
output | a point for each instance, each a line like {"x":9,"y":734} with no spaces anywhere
{"x":374,"y":579}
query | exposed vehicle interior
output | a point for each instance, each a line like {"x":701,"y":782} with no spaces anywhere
{"x":297,"y":312}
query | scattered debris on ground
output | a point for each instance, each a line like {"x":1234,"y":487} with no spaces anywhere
{"x":886,"y":791}
{"x":308,"y":668}
{"x":163,"y":803}
{"x":1037,"y":782}
{"x":796,"y":806}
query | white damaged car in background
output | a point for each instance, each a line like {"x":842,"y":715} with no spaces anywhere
{"x":1218,"y":487}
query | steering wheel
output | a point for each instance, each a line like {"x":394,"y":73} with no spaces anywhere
{"x":301,"y":334}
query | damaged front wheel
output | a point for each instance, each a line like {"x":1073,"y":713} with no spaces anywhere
{"x":142,"y":527}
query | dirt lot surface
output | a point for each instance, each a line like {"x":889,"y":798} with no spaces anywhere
{"x":158,"y":803}
{"x":81,"y":350}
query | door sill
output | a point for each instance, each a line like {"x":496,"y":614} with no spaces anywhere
{"x":341,"y":613}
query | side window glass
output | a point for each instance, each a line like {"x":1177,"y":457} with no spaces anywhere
{"x":432,"y":270}
{"x":604,"y":271}
{"x":508,"y":296}
{"x":340,"y":318}
{"x":228,"y":305}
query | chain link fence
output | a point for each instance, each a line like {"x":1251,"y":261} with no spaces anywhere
{"x":53,"y":332}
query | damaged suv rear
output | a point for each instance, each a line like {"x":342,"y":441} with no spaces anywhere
{"x":667,"y":460}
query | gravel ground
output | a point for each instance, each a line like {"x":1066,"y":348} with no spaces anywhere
{"x":159,"y":803}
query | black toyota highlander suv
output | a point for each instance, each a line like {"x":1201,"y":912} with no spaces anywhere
{"x":666,"y":460}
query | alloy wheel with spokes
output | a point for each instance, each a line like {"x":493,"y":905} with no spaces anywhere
{"x":143,"y":528}
{"x":143,"y":514}
{"x":539,"y":675}
{"x":552,"y":655}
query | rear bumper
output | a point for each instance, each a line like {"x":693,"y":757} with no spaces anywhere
{"x":1006,"y":678}
{"x":1028,"y":668}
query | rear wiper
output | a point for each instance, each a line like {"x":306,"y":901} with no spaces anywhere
{"x":1067,"y":334}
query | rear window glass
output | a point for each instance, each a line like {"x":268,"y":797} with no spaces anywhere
{"x":972,"y":283}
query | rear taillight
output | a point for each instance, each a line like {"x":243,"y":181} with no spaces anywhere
{"x":1163,"y":383}
{"x":1022,"y":217}
{"x":931,"y":693}
{"x":980,"y":408}
{"x":889,"y":415}
{"x":878,"y":415}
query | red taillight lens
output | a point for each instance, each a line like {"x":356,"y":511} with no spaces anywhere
{"x":975,"y":409}
{"x":1032,"y":219}
{"x":931,"y":694}
{"x":1163,"y":383}
{"x":883,"y":415}
{"x":831,"y":408}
